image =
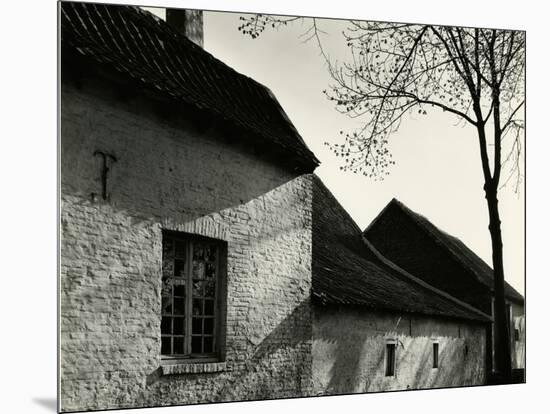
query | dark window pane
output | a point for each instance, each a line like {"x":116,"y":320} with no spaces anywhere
{"x":209,"y":326}
{"x":197,"y":326}
{"x":436,"y":355}
{"x":209,"y":289}
{"x":179,"y":287}
{"x":179,"y":268}
{"x":210,"y":253}
{"x":198,"y":251}
{"x":166,"y":325}
{"x":197,"y":307}
{"x":180,"y":249}
{"x":196,"y":343}
{"x":209,"y":307}
{"x":166,"y":288}
{"x":179,"y":306}
{"x":198,"y":289}
{"x":179,"y":326}
{"x":210,"y":270}
{"x":198,"y":270}
{"x":178,"y":345}
{"x":208,"y":344}
{"x":165,"y":345}
{"x":167,"y":268}
{"x":390,"y":360}
{"x":167,"y":305}
{"x":167,"y":248}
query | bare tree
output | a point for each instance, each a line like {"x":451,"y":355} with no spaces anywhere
{"x":476,"y":75}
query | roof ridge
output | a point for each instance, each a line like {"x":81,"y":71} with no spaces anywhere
{"x":380,"y":214}
{"x":425,"y":223}
{"x":436,"y":237}
{"x":415,"y":214}
{"x":420,"y":282}
{"x":323,"y":185}
{"x":355,"y":267}
{"x":163,"y":24}
{"x":285,"y":116}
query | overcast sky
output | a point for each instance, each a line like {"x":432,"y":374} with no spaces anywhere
{"x":438,"y":169}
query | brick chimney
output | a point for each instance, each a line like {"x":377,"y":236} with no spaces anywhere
{"x":188,"y":22}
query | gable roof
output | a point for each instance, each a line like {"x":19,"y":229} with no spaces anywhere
{"x":459,"y":252}
{"x":142,"y":47}
{"x":347,"y":270}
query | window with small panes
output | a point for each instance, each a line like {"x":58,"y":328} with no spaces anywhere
{"x":192,"y":268}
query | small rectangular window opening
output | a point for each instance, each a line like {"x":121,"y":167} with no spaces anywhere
{"x":435,"y":355}
{"x":390,"y":359}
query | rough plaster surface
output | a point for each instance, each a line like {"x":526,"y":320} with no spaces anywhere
{"x":349,"y":351}
{"x":110,"y":280}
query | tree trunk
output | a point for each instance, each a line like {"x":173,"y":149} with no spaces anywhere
{"x":502,"y":345}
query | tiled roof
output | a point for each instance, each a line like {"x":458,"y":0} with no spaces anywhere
{"x":347,"y":270}
{"x":465,"y":257}
{"x":142,"y":47}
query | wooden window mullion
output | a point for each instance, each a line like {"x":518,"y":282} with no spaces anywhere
{"x":216,"y":287}
{"x":188,"y":297}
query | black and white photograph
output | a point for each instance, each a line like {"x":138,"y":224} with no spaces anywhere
{"x":257,"y":206}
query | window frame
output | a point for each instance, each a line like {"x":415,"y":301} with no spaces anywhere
{"x":218,"y":316}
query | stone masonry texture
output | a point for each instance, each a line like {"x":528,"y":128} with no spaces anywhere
{"x":174,"y":178}
{"x":349,"y":351}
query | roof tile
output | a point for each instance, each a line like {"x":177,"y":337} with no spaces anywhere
{"x":465,"y":257}
{"x":347,"y":270}
{"x":143,"y":47}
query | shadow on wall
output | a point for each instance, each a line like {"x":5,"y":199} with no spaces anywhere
{"x":454,"y":367}
{"x":359,"y":365}
{"x":278,"y":367}
{"x":162,"y":170}
{"x":349,"y":354}
{"x":348,"y":373}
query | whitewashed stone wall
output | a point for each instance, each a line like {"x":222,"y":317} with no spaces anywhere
{"x":175,"y":178}
{"x":349,"y":346}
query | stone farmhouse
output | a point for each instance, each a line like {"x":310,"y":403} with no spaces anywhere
{"x":201,"y":259}
{"x":412,"y":242}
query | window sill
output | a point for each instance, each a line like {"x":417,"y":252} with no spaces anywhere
{"x":193,"y":368}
